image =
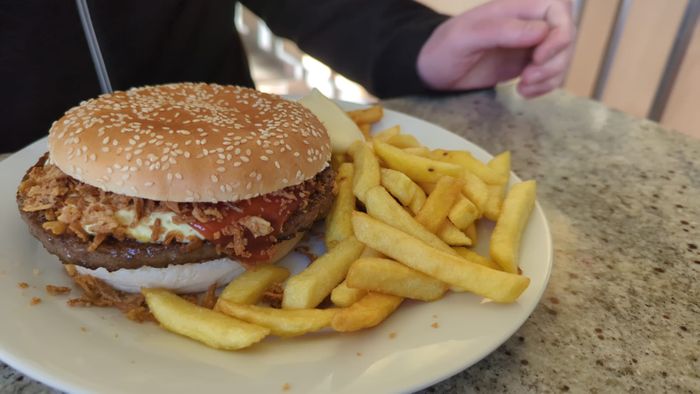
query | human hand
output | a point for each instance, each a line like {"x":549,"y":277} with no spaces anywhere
{"x":498,"y":41}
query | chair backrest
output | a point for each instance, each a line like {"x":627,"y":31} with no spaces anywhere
{"x":640,"y":56}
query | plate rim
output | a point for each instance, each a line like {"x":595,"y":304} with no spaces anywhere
{"x":52,"y":377}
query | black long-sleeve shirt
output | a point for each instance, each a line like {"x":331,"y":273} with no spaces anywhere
{"x":45,"y":64}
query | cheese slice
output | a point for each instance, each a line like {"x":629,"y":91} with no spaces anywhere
{"x":142,"y":231}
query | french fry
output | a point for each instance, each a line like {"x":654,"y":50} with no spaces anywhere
{"x":476,"y":258}
{"x":418,"y":151}
{"x":497,"y":193}
{"x":369,"y":311}
{"x":212,"y":328}
{"x":338,"y":225}
{"x":403,"y":141}
{"x":452,"y":235}
{"x":337,"y":159}
{"x":399,"y":185}
{"x":281,"y":322}
{"x":251,"y":285}
{"x":420,"y":169}
{"x":366,"y":174}
{"x":471,"y":164}
{"x":344,"y":296}
{"x":418,"y":201}
{"x":387,"y":133}
{"x":365,"y":128}
{"x":463,"y":213}
{"x":383,"y":207}
{"x":501,"y":164}
{"x":454,"y":270}
{"x":369,"y":252}
{"x":427,"y":187}
{"x":492,"y":208}
{"x":354,"y":147}
{"x":505,"y":239}
{"x":475,"y":189}
{"x":307,"y":289}
{"x":439,"y":202}
{"x":369,"y":115}
{"x":389,"y":277}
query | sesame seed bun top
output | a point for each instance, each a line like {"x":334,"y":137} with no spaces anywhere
{"x":190,"y":142}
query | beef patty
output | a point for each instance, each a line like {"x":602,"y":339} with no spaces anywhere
{"x":113,"y":254}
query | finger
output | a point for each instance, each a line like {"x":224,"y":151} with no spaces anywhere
{"x":524,"y":9}
{"x":538,"y":89}
{"x":504,"y":33}
{"x":561,"y":35}
{"x":496,"y":66}
{"x":536,"y":73}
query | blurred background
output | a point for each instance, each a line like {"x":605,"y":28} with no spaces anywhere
{"x":638,"y":56}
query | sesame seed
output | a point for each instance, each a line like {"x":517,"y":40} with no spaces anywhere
{"x":134,"y":126}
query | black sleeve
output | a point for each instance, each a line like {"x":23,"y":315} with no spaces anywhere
{"x":373,"y":42}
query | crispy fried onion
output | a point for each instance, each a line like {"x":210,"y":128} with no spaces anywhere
{"x":97,"y":292}
{"x":70,"y":206}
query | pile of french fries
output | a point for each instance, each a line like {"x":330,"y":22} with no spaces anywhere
{"x":401,"y":226}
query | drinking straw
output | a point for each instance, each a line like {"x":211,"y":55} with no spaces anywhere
{"x":94,"y":46}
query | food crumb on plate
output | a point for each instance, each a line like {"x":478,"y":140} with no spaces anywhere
{"x":392,"y":335}
{"x":305,"y":250}
{"x":273,"y":296}
{"x":286,"y":387}
{"x":434,"y":316}
{"x":83,"y":329}
{"x":209,"y":298}
{"x":57,"y":290}
{"x":359,"y":354}
{"x":35,"y":301}
{"x":435,"y":325}
{"x":23,"y":285}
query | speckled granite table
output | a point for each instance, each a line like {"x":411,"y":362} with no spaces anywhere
{"x":622,"y":309}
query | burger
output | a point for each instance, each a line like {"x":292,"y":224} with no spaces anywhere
{"x":178,"y":186}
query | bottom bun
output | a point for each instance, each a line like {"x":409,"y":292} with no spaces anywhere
{"x":182,"y":278}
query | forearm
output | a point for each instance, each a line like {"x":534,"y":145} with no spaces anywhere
{"x":374,"y":42}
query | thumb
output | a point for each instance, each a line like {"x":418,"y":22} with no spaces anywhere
{"x":507,"y":33}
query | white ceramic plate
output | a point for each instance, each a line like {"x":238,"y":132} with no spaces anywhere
{"x":98,"y":350}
